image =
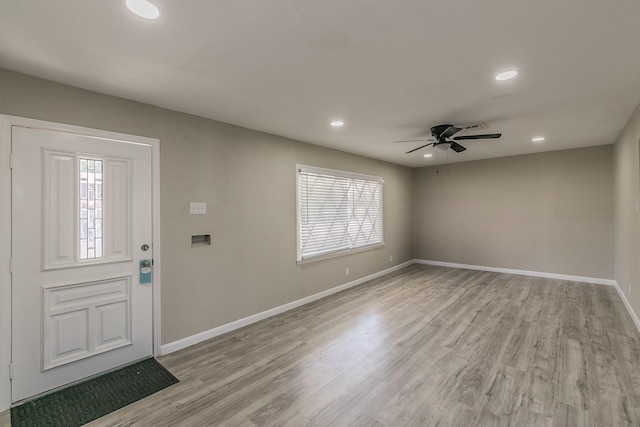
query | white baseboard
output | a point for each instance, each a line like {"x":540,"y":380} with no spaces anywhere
{"x":627,"y":304}
{"x":598,"y":281}
{"x":595,"y":280}
{"x":211,"y":333}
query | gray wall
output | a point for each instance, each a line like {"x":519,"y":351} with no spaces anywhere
{"x":549,"y":212}
{"x":627,"y":217}
{"x":247,"y":179}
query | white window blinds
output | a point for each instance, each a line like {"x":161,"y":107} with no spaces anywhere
{"x":337,"y":211}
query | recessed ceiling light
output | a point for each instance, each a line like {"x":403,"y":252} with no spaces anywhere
{"x":507,"y":75}
{"x":337,"y":123}
{"x":143,"y":9}
{"x":428,"y":155}
{"x":537,"y":139}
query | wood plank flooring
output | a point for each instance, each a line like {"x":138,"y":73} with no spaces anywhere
{"x":425,"y":346}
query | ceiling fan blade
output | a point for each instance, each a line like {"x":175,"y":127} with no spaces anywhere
{"x":476,"y":126}
{"x":485,"y":136}
{"x":416,"y":149}
{"x":450,"y":131}
{"x":457,"y":147}
{"x":414,"y":140}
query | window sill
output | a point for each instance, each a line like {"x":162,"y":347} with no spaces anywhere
{"x":338,"y":254}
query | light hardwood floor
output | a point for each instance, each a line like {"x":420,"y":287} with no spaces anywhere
{"x":425,"y":346}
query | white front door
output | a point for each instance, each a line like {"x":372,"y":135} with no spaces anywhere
{"x":81,"y":219}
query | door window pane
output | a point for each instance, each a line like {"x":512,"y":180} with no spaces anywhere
{"x":90,"y":209}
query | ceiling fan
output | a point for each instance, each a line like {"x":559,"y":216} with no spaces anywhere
{"x":443,"y":137}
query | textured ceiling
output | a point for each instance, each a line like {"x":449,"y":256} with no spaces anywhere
{"x":390,"y":70}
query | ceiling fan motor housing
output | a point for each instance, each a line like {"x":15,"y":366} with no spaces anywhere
{"x":437,"y":130}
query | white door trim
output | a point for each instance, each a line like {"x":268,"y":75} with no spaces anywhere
{"x":5,"y":232}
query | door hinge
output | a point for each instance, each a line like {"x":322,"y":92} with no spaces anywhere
{"x":10,"y":371}
{"x":10,"y":160}
{"x":10,"y":265}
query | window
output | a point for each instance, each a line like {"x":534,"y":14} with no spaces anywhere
{"x":337,"y":212}
{"x":90,"y":209}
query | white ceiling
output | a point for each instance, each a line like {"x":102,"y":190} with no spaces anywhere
{"x":389,"y":69}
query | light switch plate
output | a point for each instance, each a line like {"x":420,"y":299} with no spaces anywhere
{"x":197,"y":208}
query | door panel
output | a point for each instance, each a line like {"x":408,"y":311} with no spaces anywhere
{"x":81,"y":210}
{"x":59,"y":225}
{"x":82,"y":320}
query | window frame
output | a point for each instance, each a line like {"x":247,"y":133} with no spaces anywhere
{"x":300,"y":257}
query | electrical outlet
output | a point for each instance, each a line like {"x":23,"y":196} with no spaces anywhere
{"x":629,"y":290}
{"x":347,"y":272}
{"x":391,"y":258}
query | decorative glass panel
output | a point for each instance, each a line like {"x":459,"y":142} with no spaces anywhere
{"x":90,"y":209}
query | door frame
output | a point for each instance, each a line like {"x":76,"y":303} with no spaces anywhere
{"x":6,"y":122}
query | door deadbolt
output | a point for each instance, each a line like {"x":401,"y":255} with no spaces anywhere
{"x":145,"y":247}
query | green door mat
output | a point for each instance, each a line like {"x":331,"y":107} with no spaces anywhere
{"x":84,"y":402}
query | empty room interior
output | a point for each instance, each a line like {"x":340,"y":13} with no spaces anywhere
{"x":324,"y":213}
